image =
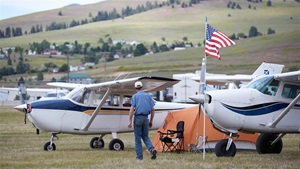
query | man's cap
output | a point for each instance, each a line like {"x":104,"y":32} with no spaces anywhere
{"x":138,"y":85}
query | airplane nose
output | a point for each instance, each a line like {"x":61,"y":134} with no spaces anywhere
{"x":21,"y":107}
{"x":198,"y":98}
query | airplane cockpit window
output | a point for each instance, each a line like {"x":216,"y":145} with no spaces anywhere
{"x":76,"y":95}
{"x":290,"y":91}
{"x":267,"y":85}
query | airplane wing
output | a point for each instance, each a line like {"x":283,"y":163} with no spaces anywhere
{"x":64,"y":85}
{"x":289,"y":76}
{"x":150,"y":84}
{"x":222,"y":80}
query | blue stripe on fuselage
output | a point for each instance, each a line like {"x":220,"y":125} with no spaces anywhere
{"x":59,"y":104}
{"x":260,"y":109}
{"x":66,"y":104}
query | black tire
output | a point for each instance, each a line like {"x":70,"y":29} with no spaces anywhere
{"x":96,"y":143}
{"x":263,"y":144}
{"x":220,"y":149}
{"x":116,"y":144}
{"x":47,"y":146}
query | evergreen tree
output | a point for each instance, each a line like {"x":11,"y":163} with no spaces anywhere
{"x":32,"y":30}
{"x":271,"y":31}
{"x":140,"y":50}
{"x":253,"y":32}
{"x":8,"y":32}
{"x":40,"y":76}
{"x":154,"y":47}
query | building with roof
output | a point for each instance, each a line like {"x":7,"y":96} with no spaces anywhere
{"x":80,"y":78}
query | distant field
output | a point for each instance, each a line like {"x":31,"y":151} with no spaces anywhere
{"x":22,"y":148}
{"x":173,"y":24}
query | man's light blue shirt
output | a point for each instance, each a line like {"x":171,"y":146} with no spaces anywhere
{"x":142,"y":102}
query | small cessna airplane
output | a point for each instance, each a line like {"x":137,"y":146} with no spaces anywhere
{"x":269,"y":105}
{"x":100,"y":108}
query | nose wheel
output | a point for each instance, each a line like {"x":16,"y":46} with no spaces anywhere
{"x":225,"y":148}
{"x":50,"y":146}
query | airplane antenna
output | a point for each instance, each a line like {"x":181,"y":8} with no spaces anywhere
{"x":118,"y":77}
{"x":127,"y":75}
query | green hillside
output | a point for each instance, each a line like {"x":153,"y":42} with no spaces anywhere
{"x":174,"y":23}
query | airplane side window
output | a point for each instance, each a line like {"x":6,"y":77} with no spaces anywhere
{"x":290,"y":91}
{"x":127,"y":101}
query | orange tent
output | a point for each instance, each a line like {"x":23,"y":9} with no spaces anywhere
{"x":193,"y":128}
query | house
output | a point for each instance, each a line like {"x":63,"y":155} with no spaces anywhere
{"x":76,"y":68}
{"x":31,"y":52}
{"x":80,"y":78}
{"x":119,"y":55}
{"x":89,"y":64}
{"x":51,"y":52}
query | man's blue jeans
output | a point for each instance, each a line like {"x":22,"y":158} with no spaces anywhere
{"x":141,"y":127}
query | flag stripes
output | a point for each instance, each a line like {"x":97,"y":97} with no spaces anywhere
{"x":215,"y":40}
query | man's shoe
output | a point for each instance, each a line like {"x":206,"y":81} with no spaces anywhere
{"x":137,"y":158}
{"x":153,"y":154}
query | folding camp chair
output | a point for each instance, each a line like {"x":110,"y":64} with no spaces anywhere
{"x":173,"y":140}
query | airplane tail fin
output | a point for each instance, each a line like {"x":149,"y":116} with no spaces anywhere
{"x":268,"y":69}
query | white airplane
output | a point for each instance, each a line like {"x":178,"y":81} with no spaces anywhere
{"x":268,"y":105}
{"x":189,"y":86}
{"x":101,"y":108}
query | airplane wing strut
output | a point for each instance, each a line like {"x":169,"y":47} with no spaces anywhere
{"x":96,"y":110}
{"x":284,"y":112}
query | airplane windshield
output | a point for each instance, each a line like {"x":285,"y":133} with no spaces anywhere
{"x":76,"y":94}
{"x":267,"y":85}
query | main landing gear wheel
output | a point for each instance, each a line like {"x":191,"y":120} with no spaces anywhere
{"x":49,"y":147}
{"x":116,"y":144}
{"x":264,"y":144}
{"x":96,"y":143}
{"x":220,"y":149}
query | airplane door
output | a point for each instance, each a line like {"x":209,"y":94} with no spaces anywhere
{"x":72,"y":120}
{"x":109,"y":117}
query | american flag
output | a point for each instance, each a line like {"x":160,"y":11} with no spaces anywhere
{"x":215,"y":40}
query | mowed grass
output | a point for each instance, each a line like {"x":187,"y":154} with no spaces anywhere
{"x":20,"y":147}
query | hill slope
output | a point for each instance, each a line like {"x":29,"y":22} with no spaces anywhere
{"x":175,"y":23}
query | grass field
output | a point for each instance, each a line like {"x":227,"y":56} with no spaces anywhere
{"x":20,"y":147}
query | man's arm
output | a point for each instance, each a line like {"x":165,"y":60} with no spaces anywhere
{"x":151,"y":117}
{"x":131,"y":111}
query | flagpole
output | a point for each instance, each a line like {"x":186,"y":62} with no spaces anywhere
{"x":204,"y":125}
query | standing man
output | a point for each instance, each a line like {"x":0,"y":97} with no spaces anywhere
{"x":141,"y":106}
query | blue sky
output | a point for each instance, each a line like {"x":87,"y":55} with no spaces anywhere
{"x":13,"y":8}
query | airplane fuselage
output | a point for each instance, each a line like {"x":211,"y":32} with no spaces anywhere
{"x":256,"y":107}
{"x":249,"y":110}
{"x":67,"y":116}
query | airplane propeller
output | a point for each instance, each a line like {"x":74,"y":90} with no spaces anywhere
{"x":26,"y":108}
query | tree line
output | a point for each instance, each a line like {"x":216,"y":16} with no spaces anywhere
{"x":101,"y":16}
